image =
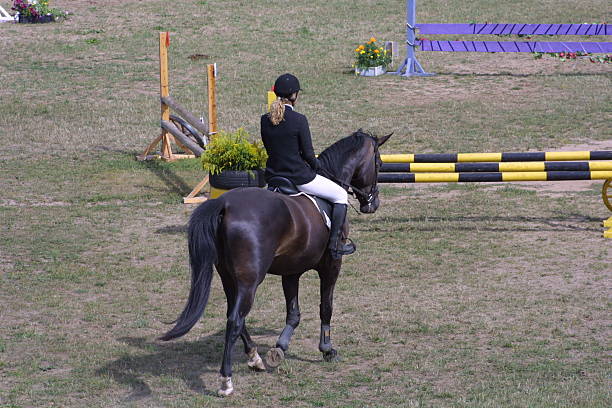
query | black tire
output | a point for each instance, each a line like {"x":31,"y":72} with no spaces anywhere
{"x":189,"y":131}
{"x":229,"y":179}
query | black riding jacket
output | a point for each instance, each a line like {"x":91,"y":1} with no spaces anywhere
{"x":289,"y":147}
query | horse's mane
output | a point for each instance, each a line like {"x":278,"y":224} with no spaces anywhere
{"x":333,"y":158}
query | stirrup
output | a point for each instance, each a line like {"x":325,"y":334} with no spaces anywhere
{"x":347,"y":248}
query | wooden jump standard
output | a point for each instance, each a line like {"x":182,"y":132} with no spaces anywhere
{"x":170,"y":134}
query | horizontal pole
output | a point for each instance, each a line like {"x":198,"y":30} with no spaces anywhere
{"x":187,"y":142}
{"x":516,"y":29}
{"x":492,"y":177}
{"x":185,"y":114}
{"x":496,"y":157}
{"x":515,"y":46}
{"x":494,"y":167}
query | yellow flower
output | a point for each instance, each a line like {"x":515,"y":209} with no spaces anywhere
{"x":377,"y":51}
{"x":361,"y":47}
{"x":362,"y":52}
{"x":357,"y":49}
{"x":372,"y":40}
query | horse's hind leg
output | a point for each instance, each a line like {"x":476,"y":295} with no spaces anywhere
{"x":290,"y":289}
{"x":328,"y":276}
{"x":234,"y":328}
{"x":250,"y":348}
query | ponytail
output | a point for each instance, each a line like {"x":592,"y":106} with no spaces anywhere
{"x":277,"y":111}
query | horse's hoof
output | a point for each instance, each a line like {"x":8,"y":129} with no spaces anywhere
{"x":255,"y":362}
{"x":275,"y":357}
{"x":227,"y":388}
{"x":331,"y":356}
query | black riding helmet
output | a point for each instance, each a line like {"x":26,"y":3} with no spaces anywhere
{"x":286,"y":85}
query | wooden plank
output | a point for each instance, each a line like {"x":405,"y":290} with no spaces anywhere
{"x":187,"y":142}
{"x":191,"y":197}
{"x":194,"y":200}
{"x":166,"y":151}
{"x":164,"y":87}
{"x":212,"y":98}
{"x":145,"y":155}
{"x":148,"y":157}
{"x":164,"y":90}
{"x":185,"y":114}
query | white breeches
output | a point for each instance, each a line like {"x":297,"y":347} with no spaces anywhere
{"x":325,"y":188}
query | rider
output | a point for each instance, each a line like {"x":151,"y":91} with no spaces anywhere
{"x":286,"y":136}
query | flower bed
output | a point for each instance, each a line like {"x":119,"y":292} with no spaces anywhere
{"x":35,"y":11}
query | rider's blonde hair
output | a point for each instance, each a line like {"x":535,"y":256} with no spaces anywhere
{"x":277,"y":110}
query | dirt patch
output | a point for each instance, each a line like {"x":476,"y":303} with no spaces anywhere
{"x":15,"y":203}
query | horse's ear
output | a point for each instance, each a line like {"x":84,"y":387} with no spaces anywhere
{"x":381,"y":141}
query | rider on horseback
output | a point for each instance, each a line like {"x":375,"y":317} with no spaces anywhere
{"x":286,"y":136}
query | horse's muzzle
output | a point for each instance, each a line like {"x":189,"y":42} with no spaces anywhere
{"x":370,"y":207}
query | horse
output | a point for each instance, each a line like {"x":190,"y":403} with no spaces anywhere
{"x":250,"y":232}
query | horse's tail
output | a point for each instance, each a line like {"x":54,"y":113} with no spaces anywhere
{"x":203,"y":227}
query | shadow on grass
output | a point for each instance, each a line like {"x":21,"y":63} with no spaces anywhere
{"x":184,"y":360}
{"x":519,"y":224}
{"x":174,"y":183}
{"x":172,"y":230}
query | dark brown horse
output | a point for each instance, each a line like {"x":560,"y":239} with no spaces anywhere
{"x":250,"y":232}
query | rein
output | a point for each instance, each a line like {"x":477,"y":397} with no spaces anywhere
{"x":350,"y":189}
{"x":344,"y":185}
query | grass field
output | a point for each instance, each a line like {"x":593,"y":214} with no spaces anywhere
{"x":459,"y":296}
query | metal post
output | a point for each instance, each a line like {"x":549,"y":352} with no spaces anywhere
{"x":411,"y":65}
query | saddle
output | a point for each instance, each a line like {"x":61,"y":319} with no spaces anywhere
{"x":285,"y":186}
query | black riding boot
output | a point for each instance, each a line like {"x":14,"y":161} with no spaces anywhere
{"x":336,"y":246}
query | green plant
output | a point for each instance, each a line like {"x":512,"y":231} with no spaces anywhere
{"x":36,"y":8}
{"x":233,"y":151}
{"x":371,"y":55}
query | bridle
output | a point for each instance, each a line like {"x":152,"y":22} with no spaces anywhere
{"x":370,"y":196}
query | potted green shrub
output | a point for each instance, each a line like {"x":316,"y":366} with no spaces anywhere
{"x":232,"y":161}
{"x":370,"y":59}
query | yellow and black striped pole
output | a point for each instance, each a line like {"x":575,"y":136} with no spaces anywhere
{"x":495,"y":167}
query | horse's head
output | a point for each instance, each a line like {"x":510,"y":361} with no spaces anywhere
{"x":353,"y":162}
{"x":365,"y":177}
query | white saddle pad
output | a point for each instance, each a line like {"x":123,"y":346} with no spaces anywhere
{"x":323,"y":214}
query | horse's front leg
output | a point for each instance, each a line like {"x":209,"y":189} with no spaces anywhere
{"x":250,"y":348}
{"x":328,"y":276}
{"x":291,"y":284}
